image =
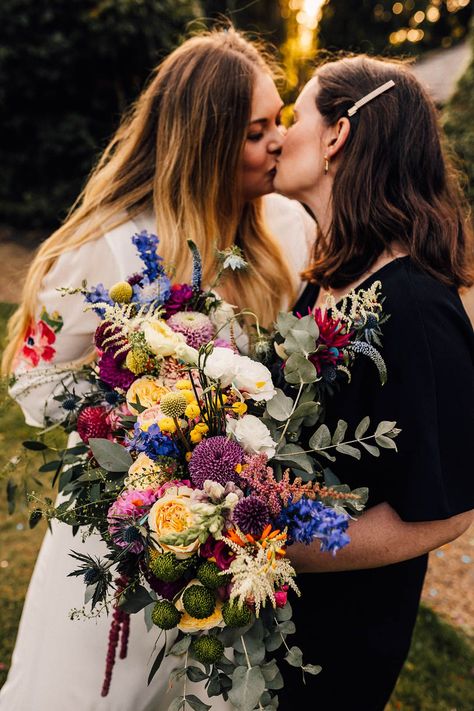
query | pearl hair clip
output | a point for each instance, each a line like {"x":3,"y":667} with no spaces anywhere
{"x":368,"y":97}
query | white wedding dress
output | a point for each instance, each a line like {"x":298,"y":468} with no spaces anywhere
{"x":59,"y":664}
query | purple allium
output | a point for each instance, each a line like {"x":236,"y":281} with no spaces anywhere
{"x":113,"y":372}
{"x":307,"y":519}
{"x":251,"y":515}
{"x":216,"y":458}
{"x":180,"y":295}
{"x":195,"y":327}
{"x":125,"y":513}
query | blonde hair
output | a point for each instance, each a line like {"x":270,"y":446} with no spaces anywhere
{"x":178,"y":152}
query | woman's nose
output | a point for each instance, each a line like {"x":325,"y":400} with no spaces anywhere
{"x":276,"y":143}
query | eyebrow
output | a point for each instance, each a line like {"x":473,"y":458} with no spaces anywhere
{"x":265,"y":120}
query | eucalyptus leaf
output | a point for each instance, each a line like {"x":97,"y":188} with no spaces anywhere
{"x":362,"y":427}
{"x":330,"y":479}
{"x":34,"y":445}
{"x":384,"y":427}
{"x":270,"y":670}
{"x":280,"y":406}
{"x":306,"y":409}
{"x":177,"y":704}
{"x":35,"y":518}
{"x":287,"y":627}
{"x":110,"y":455}
{"x":196,"y":704}
{"x":50,"y":466}
{"x":276,"y":683}
{"x":285,"y":322}
{"x":298,"y":370}
{"x":321,"y":438}
{"x":181,"y":647}
{"x":195,"y":674}
{"x":339,"y":432}
{"x":294,"y":455}
{"x":176,"y":675}
{"x":273,"y":642}
{"x":247,"y":687}
{"x":349,"y":450}
{"x":298,"y":341}
{"x":385,"y":442}
{"x":294,"y":657}
{"x":311,"y":668}
{"x":147,"y":616}
{"x":371,"y":448}
{"x":284,"y":613}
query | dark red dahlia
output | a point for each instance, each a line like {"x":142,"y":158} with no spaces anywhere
{"x":112,"y":370}
{"x":333,"y":339}
{"x":92,"y":422}
{"x":102,"y":332}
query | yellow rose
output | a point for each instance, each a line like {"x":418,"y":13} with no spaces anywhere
{"x":190,"y":624}
{"x":202,"y":428}
{"x":147,"y":390}
{"x":240,"y":408}
{"x":188,"y":396}
{"x":172,"y":514}
{"x":195,"y":436}
{"x":183,"y":384}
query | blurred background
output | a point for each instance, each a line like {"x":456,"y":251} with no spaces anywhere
{"x":68,"y":70}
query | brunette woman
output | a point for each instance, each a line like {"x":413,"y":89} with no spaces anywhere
{"x":366,"y":156}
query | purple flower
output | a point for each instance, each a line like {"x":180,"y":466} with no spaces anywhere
{"x":124,"y":515}
{"x":180,"y":295}
{"x":307,"y":519}
{"x":95,"y":295}
{"x":218,"y":551}
{"x":113,"y":372}
{"x":251,"y":515}
{"x":216,"y":458}
{"x":194,"y":326}
{"x":104,"y":331}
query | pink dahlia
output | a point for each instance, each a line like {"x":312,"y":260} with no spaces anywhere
{"x":195,"y":327}
{"x":124,"y":515}
{"x":93,"y":421}
{"x":216,"y":458}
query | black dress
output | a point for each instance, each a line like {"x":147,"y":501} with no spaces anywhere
{"x":358,"y":624}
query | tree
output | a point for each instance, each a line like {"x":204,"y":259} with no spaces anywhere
{"x":68,"y":69}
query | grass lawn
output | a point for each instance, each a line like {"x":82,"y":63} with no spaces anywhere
{"x":439,"y":675}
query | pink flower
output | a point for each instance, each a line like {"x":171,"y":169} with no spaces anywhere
{"x":281,"y":596}
{"x":167,"y":485}
{"x":114,"y":416}
{"x":38,"y":343}
{"x":217,"y":551}
{"x":125,"y":513}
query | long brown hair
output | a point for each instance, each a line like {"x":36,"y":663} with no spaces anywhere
{"x":177,"y":152}
{"x":395,"y":182}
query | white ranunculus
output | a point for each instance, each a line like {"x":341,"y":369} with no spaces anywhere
{"x":253,"y":435}
{"x":162,"y":340}
{"x":221,"y":365}
{"x":254,"y":378}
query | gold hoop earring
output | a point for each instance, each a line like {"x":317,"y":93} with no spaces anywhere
{"x":326,"y":165}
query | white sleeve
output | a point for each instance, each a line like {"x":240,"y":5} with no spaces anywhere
{"x":295,"y":230}
{"x":62,"y":331}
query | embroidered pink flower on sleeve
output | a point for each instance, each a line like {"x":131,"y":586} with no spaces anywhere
{"x":39,"y":339}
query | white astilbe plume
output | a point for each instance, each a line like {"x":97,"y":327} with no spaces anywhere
{"x":127,"y":319}
{"x":357,"y":306}
{"x":255,"y":578}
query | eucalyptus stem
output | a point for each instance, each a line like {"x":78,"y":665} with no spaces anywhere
{"x":248,"y":663}
{"x":287,"y":423}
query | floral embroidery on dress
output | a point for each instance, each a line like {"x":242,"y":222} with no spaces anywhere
{"x":40,"y":337}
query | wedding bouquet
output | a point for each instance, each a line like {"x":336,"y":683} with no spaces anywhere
{"x":198,"y":472}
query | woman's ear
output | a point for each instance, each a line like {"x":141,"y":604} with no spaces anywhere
{"x":342,"y":130}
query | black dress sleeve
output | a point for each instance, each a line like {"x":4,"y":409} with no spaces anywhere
{"x":428,"y":346}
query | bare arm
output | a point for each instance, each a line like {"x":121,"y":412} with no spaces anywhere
{"x":380,"y":537}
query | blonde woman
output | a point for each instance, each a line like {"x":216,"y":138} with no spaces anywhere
{"x":192,"y":159}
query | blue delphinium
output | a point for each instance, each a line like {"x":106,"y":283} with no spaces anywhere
{"x":147,"y":246}
{"x":148,"y":292}
{"x":96,"y":294}
{"x":153,"y":442}
{"x":307,"y":519}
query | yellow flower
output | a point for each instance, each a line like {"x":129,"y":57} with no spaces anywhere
{"x":188,"y":456}
{"x":221,"y":400}
{"x":192,"y":410}
{"x":172,"y":514}
{"x":195,"y":436}
{"x":190,"y":624}
{"x":144,"y":472}
{"x":161,"y":339}
{"x":183,"y":384}
{"x":150,"y":416}
{"x":240,"y":408}
{"x":166,"y":424}
{"x":202,"y":428}
{"x":188,"y":396}
{"x":147,"y":390}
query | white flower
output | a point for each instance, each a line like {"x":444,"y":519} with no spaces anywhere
{"x":162,"y":340}
{"x":186,"y":353}
{"x":253,"y":435}
{"x":254,"y":379}
{"x":221,"y":365}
